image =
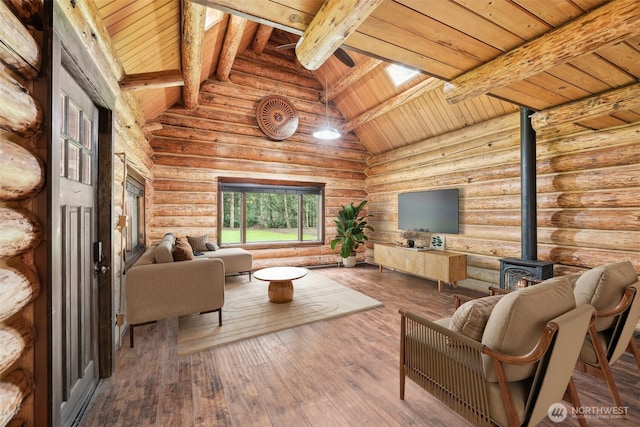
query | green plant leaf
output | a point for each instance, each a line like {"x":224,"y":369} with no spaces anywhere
{"x":350,"y":229}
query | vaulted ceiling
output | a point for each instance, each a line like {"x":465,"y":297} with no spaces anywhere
{"x":572,"y":61}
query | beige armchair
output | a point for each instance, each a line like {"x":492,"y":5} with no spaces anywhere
{"x":614,"y":291}
{"x":499,"y":360}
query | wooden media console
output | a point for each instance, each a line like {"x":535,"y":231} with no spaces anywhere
{"x":443,"y":266}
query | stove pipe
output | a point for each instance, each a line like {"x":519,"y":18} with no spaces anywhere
{"x":529,"y":228}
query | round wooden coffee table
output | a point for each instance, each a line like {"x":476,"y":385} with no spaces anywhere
{"x":280,"y":281}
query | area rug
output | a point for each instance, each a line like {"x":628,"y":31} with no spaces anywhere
{"x":248,"y":313}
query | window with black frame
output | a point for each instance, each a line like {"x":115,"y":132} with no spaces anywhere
{"x":265,"y":213}
{"x":134,"y":210}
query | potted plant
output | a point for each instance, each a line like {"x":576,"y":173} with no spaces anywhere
{"x":351,"y":228}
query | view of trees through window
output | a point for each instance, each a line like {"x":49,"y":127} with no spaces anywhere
{"x":134,"y":210}
{"x":270,"y":214}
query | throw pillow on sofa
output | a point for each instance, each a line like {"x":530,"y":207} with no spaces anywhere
{"x":182,"y":251}
{"x":212,"y":246}
{"x":199,"y":244}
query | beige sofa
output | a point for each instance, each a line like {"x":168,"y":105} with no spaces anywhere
{"x":158,"y":287}
{"x":236,"y":260}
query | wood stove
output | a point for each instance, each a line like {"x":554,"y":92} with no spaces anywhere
{"x":516,"y":272}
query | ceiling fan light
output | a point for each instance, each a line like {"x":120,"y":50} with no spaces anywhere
{"x":326,"y":133}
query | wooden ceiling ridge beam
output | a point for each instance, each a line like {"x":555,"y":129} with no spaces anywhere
{"x":350,"y":78}
{"x":193,"y":20}
{"x":232,"y":39}
{"x":614,"y":21}
{"x":152,"y":80}
{"x":604,"y":103}
{"x":391,"y":104}
{"x":333,"y":24}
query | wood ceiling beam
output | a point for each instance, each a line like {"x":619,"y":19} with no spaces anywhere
{"x":391,"y":104}
{"x":350,"y":78}
{"x":232,"y":39}
{"x":613,"y":22}
{"x":268,"y":12}
{"x":331,"y":26}
{"x":260,"y":40}
{"x":193,"y":19}
{"x":152,"y":80}
{"x":605,"y":103}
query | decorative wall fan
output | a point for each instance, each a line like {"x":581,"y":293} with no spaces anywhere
{"x":340,"y":53}
{"x":277,"y":117}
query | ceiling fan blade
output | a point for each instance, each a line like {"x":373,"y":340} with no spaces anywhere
{"x":344,"y":57}
{"x":340,"y":53}
{"x":286,"y":46}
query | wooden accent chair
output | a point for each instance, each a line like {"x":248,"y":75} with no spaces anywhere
{"x":614,"y":291}
{"x":521,"y":364}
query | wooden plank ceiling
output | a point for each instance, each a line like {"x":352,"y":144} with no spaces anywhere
{"x":572,"y":61}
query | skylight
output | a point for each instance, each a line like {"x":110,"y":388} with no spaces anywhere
{"x":400,"y":74}
{"x":213,"y":17}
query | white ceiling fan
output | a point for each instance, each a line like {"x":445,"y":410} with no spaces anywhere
{"x":329,"y":28}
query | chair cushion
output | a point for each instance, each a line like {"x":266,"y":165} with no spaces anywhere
{"x":471,"y":317}
{"x":163,"y":252}
{"x":519,"y":392}
{"x":588,"y":352}
{"x":603,"y":287}
{"x":517,"y":320}
{"x":183,"y":251}
{"x":236,"y":260}
{"x":198,"y":243}
{"x":148,"y":257}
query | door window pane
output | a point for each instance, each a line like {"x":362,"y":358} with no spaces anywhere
{"x":86,"y":133}
{"x":73,"y":162}
{"x":86,"y":168}
{"x":63,"y":156}
{"x":73,"y":121}
{"x":76,"y":142}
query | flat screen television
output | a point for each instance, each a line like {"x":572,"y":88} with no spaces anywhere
{"x":434,"y":211}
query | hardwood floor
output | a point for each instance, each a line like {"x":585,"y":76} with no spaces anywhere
{"x":338,"y":372}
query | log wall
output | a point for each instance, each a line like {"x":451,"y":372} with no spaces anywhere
{"x":221,"y":138}
{"x":587,"y":194}
{"x":21,"y":179}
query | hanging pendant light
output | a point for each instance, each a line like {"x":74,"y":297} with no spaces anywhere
{"x":326,"y":132}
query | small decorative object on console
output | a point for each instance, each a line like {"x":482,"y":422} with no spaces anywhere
{"x":410,"y":236}
{"x":437,"y":242}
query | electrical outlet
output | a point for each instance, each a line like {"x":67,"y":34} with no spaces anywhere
{"x":119,"y":319}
